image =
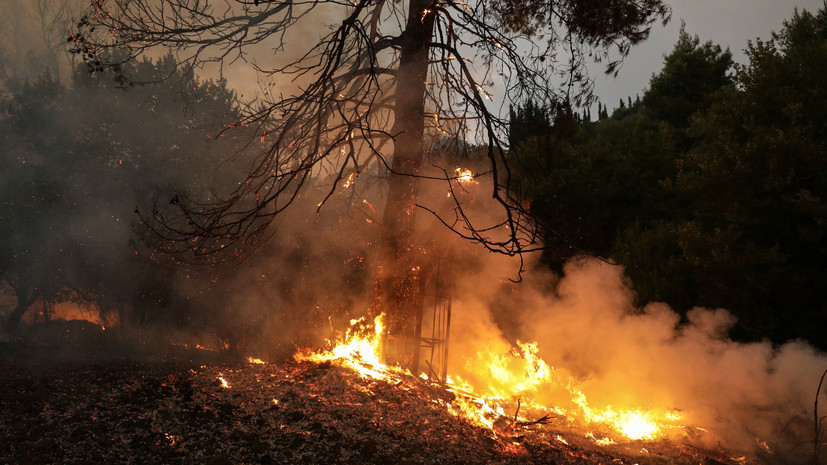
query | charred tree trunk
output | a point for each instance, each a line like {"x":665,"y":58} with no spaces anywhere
{"x":25,"y":299}
{"x":399,"y":287}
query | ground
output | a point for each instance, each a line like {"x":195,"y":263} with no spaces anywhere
{"x":180,"y":411}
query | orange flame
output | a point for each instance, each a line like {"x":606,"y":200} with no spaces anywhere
{"x":512,"y":377}
{"x":349,"y":181}
{"x":360,"y":350}
{"x":464,"y":176}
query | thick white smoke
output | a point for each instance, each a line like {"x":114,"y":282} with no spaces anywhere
{"x":587,"y":327}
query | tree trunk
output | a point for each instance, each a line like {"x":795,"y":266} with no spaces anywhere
{"x":24,"y":301}
{"x":398,"y":278}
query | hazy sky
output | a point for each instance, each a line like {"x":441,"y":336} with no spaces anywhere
{"x":730,"y":23}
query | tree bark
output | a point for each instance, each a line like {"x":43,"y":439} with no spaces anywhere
{"x":25,"y":300}
{"x":399,"y":267}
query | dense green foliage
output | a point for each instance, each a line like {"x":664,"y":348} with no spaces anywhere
{"x":710,"y":189}
{"x":690,"y":74}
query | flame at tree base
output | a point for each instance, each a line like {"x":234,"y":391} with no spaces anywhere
{"x":360,"y":350}
{"x":506,"y":402}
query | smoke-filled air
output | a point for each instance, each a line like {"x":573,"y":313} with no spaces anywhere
{"x":407,"y":232}
{"x":598,"y":343}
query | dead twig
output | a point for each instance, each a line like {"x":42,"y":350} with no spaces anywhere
{"x":817,"y":423}
{"x":540,"y":421}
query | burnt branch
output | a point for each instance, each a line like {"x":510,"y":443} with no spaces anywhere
{"x":338,"y":112}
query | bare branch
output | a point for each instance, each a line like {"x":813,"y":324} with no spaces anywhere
{"x":350,"y":111}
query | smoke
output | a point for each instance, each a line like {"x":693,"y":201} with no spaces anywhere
{"x":33,"y":37}
{"x":273,"y":54}
{"x":316,"y":274}
{"x":587,"y":327}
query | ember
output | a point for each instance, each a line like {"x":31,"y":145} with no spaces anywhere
{"x":276,"y":413}
{"x":286,"y":412}
{"x":511,"y":376}
{"x":464,"y":176}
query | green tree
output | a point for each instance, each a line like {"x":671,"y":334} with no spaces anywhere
{"x":711,"y":189}
{"x":691,"y":74}
{"x":758,"y":183}
{"x":589,"y":184}
{"x":589,"y":187}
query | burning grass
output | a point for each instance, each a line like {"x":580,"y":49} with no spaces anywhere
{"x":336,"y":406}
{"x":510,"y":378}
{"x":293,"y":412}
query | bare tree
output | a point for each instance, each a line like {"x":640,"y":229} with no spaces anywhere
{"x":11,"y":51}
{"x":33,"y":37}
{"x":369,"y":91}
{"x":54,"y":17}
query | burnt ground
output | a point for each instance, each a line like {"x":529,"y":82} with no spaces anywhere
{"x":175,"y":410}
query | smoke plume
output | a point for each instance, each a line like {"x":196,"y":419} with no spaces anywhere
{"x":742,"y":395}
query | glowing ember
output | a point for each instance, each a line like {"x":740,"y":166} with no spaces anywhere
{"x":506,"y":382}
{"x":464,"y":176}
{"x":255,"y":361}
{"x":349,"y":180}
{"x":484,"y":92}
{"x":172,"y":438}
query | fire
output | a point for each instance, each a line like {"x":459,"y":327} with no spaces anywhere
{"x":479,"y":410}
{"x":255,"y":361}
{"x":507,"y":383}
{"x":464,"y":176}
{"x":224,"y":383}
{"x":602,"y":441}
{"x":512,"y":374}
{"x":361,"y":349}
{"x":349,"y":181}
{"x":635,"y":425}
{"x":484,"y":92}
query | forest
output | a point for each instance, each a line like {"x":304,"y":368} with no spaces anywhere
{"x":708,"y":188}
{"x":201,"y":276}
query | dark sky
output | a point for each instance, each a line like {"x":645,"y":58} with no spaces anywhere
{"x":730,"y":23}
